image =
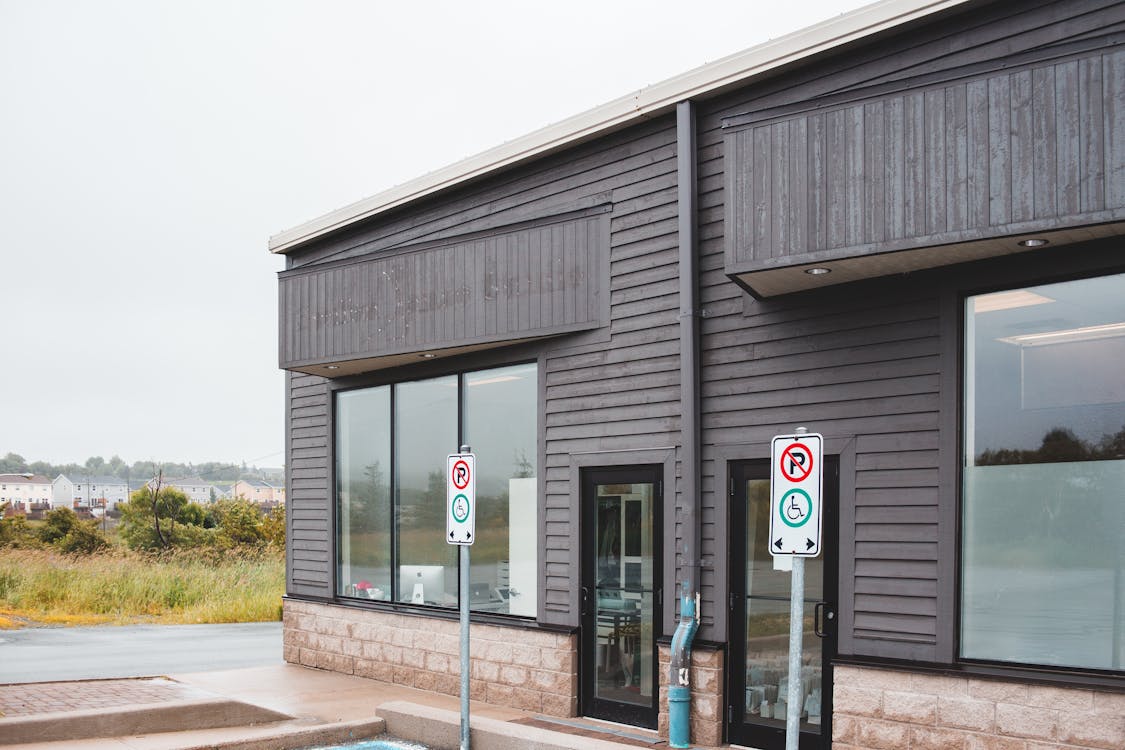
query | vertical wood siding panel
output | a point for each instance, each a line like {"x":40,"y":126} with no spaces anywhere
{"x":780,"y":155}
{"x":936,"y":177}
{"x":894,"y":168}
{"x":744,"y":194}
{"x":1114,"y":128}
{"x":558,"y":288}
{"x":1023,"y":148}
{"x":818,"y":182}
{"x":523,"y":279}
{"x":914,"y":195}
{"x":1045,"y":163}
{"x":837,"y":184}
{"x":1092,"y":118}
{"x":535,"y":296}
{"x":570,"y":250}
{"x":856,"y":176}
{"x":491,"y":277}
{"x":957,"y":158}
{"x":1067,"y":128}
{"x":875,"y":199}
{"x":799,"y":186}
{"x":763,"y":195}
{"x":510,"y":284}
{"x":977,"y":180}
{"x":479,"y":288}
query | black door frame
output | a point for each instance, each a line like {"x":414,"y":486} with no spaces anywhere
{"x":589,"y":703}
{"x":738,"y":729}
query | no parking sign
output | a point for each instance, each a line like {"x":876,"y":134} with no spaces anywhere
{"x":796,"y":471}
{"x":460,"y":498}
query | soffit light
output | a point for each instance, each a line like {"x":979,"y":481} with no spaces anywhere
{"x":817,"y":271}
{"x":332,"y":367}
{"x":1033,"y":242}
{"x":427,"y":355}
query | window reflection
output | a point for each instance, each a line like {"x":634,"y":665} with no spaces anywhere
{"x":397,"y":512}
{"x":1044,"y":476}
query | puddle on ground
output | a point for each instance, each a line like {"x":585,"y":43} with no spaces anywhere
{"x":382,"y":744}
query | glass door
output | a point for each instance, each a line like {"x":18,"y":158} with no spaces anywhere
{"x":759,"y":625}
{"x":620,"y":592}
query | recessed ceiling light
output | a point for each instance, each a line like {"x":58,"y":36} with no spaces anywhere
{"x":1034,"y":242}
{"x":332,"y":367}
{"x":427,"y":355}
{"x":818,"y":271}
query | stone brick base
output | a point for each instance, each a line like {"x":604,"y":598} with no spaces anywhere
{"x":706,"y":695}
{"x":876,"y":709}
{"x":525,"y":669}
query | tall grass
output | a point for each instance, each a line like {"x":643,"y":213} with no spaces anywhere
{"x":42,"y":587}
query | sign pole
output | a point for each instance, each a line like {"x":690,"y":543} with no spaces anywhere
{"x":464,"y":606}
{"x":793,"y":705}
{"x":796,"y":475}
{"x":460,"y":527}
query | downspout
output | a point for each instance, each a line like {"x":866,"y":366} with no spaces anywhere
{"x":679,"y":678}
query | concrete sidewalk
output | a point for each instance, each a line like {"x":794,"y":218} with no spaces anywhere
{"x":275,"y":708}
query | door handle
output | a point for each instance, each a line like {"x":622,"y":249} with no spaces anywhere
{"x":822,"y":615}
{"x":585,"y":600}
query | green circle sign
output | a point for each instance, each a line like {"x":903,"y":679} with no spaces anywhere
{"x":460,"y":508}
{"x":795,"y":508}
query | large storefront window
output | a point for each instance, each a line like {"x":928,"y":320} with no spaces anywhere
{"x":1043,"y":576}
{"x":391,"y":444}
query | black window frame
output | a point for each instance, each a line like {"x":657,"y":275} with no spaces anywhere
{"x":416,"y":374}
{"x":1035,"y":273}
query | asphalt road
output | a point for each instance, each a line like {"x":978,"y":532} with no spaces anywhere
{"x":48,"y":654}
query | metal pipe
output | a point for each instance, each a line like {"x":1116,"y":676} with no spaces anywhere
{"x":679,"y":694}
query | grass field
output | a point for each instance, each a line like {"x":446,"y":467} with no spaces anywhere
{"x":39,"y":587}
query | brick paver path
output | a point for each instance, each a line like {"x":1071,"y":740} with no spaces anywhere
{"x":50,"y":697}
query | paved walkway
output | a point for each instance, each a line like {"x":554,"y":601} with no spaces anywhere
{"x":274,"y":707}
{"x":51,"y":697}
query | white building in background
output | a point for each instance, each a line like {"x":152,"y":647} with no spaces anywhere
{"x":22,"y":490}
{"x":89,"y":491}
{"x":198,"y":490}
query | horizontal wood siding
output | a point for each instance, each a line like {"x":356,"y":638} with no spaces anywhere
{"x":989,"y":156}
{"x":861,"y":367}
{"x":507,"y":285}
{"x":618,"y":391}
{"x":607,"y":388}
{"x":309,"y":499}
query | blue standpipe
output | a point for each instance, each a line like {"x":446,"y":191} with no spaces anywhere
{"x":679,"y":690}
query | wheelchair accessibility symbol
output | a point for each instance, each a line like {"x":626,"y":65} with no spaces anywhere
{"x":795,"y":508}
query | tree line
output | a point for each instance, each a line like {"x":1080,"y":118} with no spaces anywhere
{"x":155,"y":520}
{"x":13,"y":463}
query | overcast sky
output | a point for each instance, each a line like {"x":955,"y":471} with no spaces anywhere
{"x":149,"y":149}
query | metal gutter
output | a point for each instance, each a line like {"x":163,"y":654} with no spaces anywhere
{"x":651,"y":101}
{"x":679,"y":678}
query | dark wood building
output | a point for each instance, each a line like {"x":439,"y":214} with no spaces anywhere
{"x":899,"y":229}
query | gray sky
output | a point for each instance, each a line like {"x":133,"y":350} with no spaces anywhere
{"x":149,"y":149}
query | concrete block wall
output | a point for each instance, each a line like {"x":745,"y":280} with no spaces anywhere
{"x":706,"y":695}
{"x":876,"y":709}
{"x":527,"y":669}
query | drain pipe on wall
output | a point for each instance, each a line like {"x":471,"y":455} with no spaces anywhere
{"x":679,"y":684}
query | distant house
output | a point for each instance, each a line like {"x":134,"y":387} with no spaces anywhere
{"x":22,"y":490}
{"x":258,"y":491}
{"x":88,"y":491}
{"x":197,"y":489}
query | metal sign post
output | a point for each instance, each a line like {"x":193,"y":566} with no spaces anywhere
{"x":460,"y":528}
{"x":796,"y":463}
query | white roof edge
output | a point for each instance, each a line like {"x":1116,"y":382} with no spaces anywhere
{"x":648,"y":101}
